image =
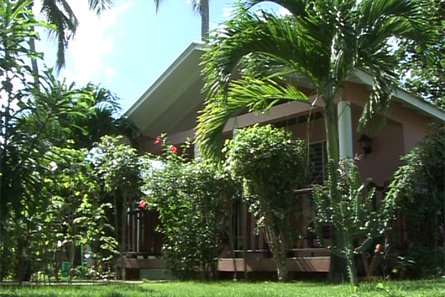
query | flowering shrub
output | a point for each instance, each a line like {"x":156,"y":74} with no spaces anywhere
{"x":271,"y":166}
{"x":191,"y":197}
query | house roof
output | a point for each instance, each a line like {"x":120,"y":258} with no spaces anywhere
{"x":171,"y":103}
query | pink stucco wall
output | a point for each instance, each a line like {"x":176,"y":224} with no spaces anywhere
{"x":404,"y":128}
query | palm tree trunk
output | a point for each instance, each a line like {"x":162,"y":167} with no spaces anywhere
{"x":337,"y":268}
{"x":205,"y":19}
{"x":32,"y":47}
{"x":34,"y":64}
{"x":331,"y":130}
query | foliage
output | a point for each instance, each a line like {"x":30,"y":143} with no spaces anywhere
{"x":102,"y":119}
{"x":191,"y":198}
{"x":324,"y":42}
{"x":64,"y":23}
{"x":418,"y":186}
{"x":33,"y":117}
{"x":353,"y":214}
{"x":422,"y":68}
{"x":271,"y":166}
{"x":117,"y":166}
{"x":42,"y":119}
{"x":74,"y":216}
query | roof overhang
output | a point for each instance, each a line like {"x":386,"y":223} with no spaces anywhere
{"x":404,"y":97}
{"x":171,"y":103}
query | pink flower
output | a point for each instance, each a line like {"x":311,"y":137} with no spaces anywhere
{"x":173,"y":149}
{"x":158,"y":140}
{"x":141,"y":203}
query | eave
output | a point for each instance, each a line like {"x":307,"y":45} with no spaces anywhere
{"x":171,"y":103}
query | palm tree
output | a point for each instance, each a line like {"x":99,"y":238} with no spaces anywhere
{"x":202,"y":7}
{"x":249,"y":62}
{"x":102,"y":120}
{"x":60,"y":14}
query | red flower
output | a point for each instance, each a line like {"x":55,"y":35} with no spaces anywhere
{"x":158,"y":140}
{"x":173,"y":149}
{"x":141,"y":203}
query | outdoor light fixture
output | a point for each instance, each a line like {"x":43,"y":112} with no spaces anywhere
{"x":365,"y":144}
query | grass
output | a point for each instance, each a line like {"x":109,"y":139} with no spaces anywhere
{"x":425,"y":288}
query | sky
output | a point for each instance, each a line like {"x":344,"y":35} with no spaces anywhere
{"x":129,"y":46}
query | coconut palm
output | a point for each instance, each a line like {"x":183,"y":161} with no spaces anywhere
{"x":202,"y":7}
{"x":60,"y":14}
{"x":254,"y":58}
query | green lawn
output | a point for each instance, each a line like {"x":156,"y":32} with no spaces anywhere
{"x":430,"y":288}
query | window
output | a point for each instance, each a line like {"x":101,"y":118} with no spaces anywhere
{"x":318,"y":161}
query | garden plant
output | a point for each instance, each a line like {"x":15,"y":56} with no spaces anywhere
{"x":271,"y":166}
{"x":192,"y":198}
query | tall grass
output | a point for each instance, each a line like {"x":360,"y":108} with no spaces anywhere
{"x":426,"y":288}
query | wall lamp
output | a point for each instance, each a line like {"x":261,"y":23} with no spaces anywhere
{"x":365,"y":143}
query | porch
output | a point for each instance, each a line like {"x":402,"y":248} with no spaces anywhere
{"x":244,"y":249}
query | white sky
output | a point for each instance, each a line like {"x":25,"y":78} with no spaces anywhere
{"x":129,"y":46}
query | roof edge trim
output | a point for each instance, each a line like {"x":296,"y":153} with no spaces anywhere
{"x":193,"y":46}
{"x":407,"y":98}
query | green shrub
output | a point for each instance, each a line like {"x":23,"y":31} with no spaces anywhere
{"x":271,"y":166}
{"x":418,"y":186}
{"x":191,"y":197}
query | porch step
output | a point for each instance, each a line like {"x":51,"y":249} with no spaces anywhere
{"x":297,"y":252}
{"x":296,"y":264}
{"x":134,"y":263}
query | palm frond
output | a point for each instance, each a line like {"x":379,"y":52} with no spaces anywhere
{"x":99,"y":6}
{"x":64,"y":21}
{"x":157,"y":4}
{"x":281,"y":39}
{"x":380,"y":24}
{"x":254,"y":94}
{"x":196,"y":5}
{"x":298,"y":8}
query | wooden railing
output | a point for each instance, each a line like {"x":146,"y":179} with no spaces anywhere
{"x":243,"y":235}
{"x":142,"y":237}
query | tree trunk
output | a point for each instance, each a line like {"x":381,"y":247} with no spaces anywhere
{"x":123,"y":229}
{"x":72,"y":256}
{"x":331,"y":130}
{"x":34,"y":64}
{"x":116,"y":230}
{"x":32,"y":47}
{"x":278,"y":246}
{"x":337,"y":268}
{"x":204,"y":19}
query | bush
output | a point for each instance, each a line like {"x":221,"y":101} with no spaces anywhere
{"x":418,"y":185}
{"x":191,"y":197}
{"x":271,"y":166}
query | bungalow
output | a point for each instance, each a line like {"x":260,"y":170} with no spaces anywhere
{"x":171,"y":105}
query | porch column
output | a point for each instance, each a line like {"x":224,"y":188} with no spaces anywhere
{"x":344,"y":129}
